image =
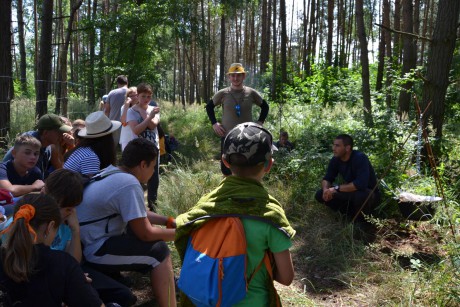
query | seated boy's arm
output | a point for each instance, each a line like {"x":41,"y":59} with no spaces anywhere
{"x":19,"y":190}
{"x":284,"y":269}
{"x":145,"y":231}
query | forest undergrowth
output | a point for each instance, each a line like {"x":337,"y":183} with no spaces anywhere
{"x":400,"y":262}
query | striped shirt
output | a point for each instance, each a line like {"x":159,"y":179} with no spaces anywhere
{"x":84,"y":161}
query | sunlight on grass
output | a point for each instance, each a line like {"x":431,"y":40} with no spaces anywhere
{"x":334,"y":266}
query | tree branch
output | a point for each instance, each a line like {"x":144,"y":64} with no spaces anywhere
{"x":405,"y":33}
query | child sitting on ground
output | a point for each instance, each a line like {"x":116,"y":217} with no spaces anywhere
{"x":20,"y":175}
{"x":66,"y":187}
{"x":247,"y":151}
{"x":284,"y":141}
{"x":30,"y":272}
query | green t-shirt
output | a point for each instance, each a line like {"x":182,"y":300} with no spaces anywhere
{"x":260,"y":236}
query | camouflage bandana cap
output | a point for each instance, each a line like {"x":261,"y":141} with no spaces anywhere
{"x":252,"y":141}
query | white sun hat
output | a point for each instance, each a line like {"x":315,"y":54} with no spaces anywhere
{"x":98,"y":124}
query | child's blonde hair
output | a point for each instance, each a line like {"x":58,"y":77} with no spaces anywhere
{"x":26,"y":139}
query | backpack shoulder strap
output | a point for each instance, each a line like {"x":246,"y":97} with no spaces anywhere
{"x":267,"y":260}
{"x":99,"y":176}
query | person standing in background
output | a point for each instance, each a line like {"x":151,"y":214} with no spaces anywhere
{"x":236,"y":101}
{"x":114,"y":102}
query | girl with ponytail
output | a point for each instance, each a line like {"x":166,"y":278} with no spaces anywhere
{"x":30,"y":272}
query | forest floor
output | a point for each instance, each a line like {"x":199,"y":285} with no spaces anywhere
{"x":396,"y":241}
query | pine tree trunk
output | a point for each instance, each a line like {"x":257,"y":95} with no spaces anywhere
{"x":311,"y":34}
{"x":275,"y":45}
{"x":61,"y":87}
{"x":22,"y":47}
{"x":387,"y":36}
{"x":396,"y":36}
{"x":361,"y":32}
{"x":222,"y":52}
{"x":330,"y":31}
{"x":283,"y":41}
{"x":205,"y":45}
{"x":44,"y":62}
{"x":440,"y":61}
{"x":305,"y":35}
{"x":409,"y":59}
{"x":6,"y":70}
{"x":265,"y":40}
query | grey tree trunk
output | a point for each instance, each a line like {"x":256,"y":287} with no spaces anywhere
{"x":44,"y":59}
{"x":409,"y":58}
{"x":366,"y":91}
{"x":6,"y":70}
{"x":22,"y":47}
{"x":440,"y":61}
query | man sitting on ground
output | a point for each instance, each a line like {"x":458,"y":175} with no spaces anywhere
{"x":358,"y":178}
{"x":50,"y":128}
{"x":116,"y":230}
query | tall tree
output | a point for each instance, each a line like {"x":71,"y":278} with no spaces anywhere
{"x":92,"y":48}
{"x":305,"y":34}
{"x":310,"y":39}
{"x":381,"y":57}
{"x":283,"y":42}
{"x":397,"y":36}
{"x":426,"y":21}
{"x":440,"y":61}
{"x":61,"y":86}
{"x":275,"y":46}
{"x":44,"y":62}
{"x":330,"y":31}
{"x":6,"y":73}
{"x":265,"y":40}
{"x":205,"y":45}
{"x":22,"y":46}
{"x":366,"y":91}
{"x":409,"y":58}
{"x":387,"y":35}
{"x":222,"y":52}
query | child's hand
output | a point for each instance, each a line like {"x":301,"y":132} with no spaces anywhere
{"x":68,"y":140}
{"x":72,"y":221}
{"x":38,"y":185}
{"x":88,"y":280}
{"x":154,"y":111}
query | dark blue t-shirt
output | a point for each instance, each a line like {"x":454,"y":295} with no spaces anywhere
{"x":8,"y":172}
{"x":58,"y":278}
{"x":357,"y":169}
{"x":44,"y":158}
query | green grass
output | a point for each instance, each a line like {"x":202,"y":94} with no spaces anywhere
{"x":332,"y":266}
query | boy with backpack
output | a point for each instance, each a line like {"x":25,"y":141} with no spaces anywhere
{"x":247,"y":151}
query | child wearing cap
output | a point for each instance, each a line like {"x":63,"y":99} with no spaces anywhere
{"x":247,"y":151}
{"x":20,"y":175}
{"x":50,"y":128}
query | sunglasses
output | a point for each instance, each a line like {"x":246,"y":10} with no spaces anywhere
{"x":238,"y":110}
